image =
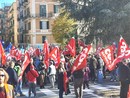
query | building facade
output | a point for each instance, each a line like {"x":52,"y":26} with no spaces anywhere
{"x":35,"y":18}
{"x":4,"y":23}
{"x":13,"y":24}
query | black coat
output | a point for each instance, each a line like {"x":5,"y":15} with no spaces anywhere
{"x":13,"y":79}
{"x":123,"y":72}
{"x":60,"y":81}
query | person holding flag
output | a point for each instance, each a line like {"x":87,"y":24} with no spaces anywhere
{"x":62,"y":80}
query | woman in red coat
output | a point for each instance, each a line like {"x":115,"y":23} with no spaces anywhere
{"x":31,"y":77}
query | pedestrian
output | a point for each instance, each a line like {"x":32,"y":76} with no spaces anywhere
{"x":86,"y":77}
{"x":13,"y":79}
{"x":6,"y":90}
{"x":31,"y":77}
{"x":42,"y":73}
{"x":78,"y":83}
{"x":124,"y":78}
{"x":52,"y":73}
{"x":18,"y":70}
{"x":61,"y":71}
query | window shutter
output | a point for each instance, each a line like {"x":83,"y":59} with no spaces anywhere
{"x":47,"y":24}
{"x":40,"y":24}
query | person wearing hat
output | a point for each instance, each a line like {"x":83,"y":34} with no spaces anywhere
{"x":31,"y":77}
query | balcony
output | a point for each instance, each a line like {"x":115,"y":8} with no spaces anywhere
{"x":49,"y":15}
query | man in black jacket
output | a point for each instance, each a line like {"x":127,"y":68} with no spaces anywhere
{"x":78,"y":83}
{"x":124,"y":78}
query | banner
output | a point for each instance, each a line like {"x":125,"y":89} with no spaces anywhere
{"x":2,"y":54}
{"x":72,"y":47}
{"x":80,"y":61}
{"x":55,"y":56}
{"x":25,"y":64}
{"x":108,"y":56}
{"x":46,"y":53}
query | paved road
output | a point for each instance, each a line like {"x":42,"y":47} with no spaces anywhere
{"x":104,"y":90}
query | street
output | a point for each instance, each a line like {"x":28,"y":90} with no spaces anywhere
{"x":105,"y":90}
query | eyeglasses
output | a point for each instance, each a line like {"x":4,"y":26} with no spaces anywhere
{"x":2,"y":75}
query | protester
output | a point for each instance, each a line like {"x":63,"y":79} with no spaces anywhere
{"x":78,"y":83}
{"x":13,"y":79}
{"x":6,"y":90}
{"x":31,"y":77}
{"x":42,"y":72}
{"x":92,"y":67}
{"x":124,"y":78}
{"x":61,"y":71}
{"x":18,"y":69}
{"x":86,"y":77}
{"x":52,"y":73}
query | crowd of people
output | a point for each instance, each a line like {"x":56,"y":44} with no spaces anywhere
{"x":37,"y":74}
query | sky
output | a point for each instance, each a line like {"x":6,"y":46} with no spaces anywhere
{"x":4,"y":2}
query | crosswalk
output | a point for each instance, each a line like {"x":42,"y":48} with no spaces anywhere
{"x":95,"y":91}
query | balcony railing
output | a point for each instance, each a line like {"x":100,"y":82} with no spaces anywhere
{"x":47,"y":15}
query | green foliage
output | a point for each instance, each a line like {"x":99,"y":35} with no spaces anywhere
{"x":63,"y":28}
{"x":105,"y":19}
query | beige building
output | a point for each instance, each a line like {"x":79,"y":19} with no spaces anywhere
{"x":35,"y":19}
{"x":13,"y":24}
{"x":4,"y":23}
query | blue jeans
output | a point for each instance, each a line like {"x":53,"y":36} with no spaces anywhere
{"x":19,"y":87}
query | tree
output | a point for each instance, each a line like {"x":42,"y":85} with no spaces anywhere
{"x":105,"y":19}
{"x":63,"y":28}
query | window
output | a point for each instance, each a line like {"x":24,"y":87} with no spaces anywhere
{"x":29,"y":26}
{"x":44,"y":25}
{"x":43,"y":39}
{"x":56,"y":8}
{"x":43,"y":10}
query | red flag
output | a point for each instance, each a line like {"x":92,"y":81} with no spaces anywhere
{"x":46,"y":53}
{"x":25,"y":64}
{"x":108,"y":56}
{"x":71,"y":47}
{"x":80,"y":61}
{"x":18,"y":55}
{"x":128,"y":94}
{"x":3,"y":56}
{"x":122,"y":46}
{"x":55,"y":56}
{"x":65,"y":81}
{"x":37,"y":52}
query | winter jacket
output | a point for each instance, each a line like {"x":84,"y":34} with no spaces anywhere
{"x":32,"y":75}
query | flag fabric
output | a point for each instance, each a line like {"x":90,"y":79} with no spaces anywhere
{"x":108,"y":57}
{"x":122,"y":47}
{"x":2,"y":54}
{"x":46,"y":53}
{"x":128,"y":94}
{"x":72,"y":47}
{"x":65,"y":78}
{"x":55,"y":56}
{"x":25,"y":64}
{"x":37,"y":52}
{"x":80,"y":61}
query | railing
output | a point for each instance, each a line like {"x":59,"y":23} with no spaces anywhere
{"x":46,"y":15}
